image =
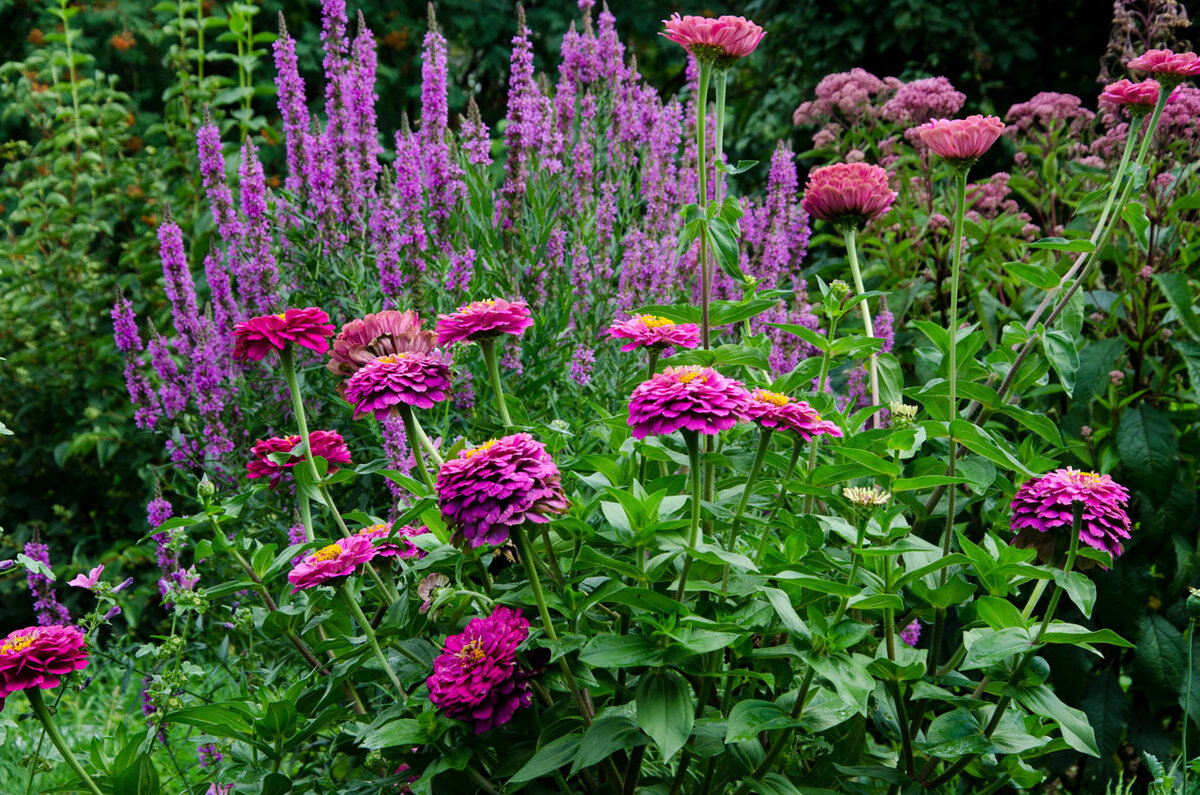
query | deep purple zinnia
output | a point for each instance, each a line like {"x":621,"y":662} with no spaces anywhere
{"x":409,"y":379}
{"x":847,"y":194}
{"x":652,"y":331}
{"x":308,"y":327}
{"x":363,"y":340}
{"x":1042,"y":511}
{"x":687,"y":398}
{"x":499,"y":485}
{"x":477,"y":677}
{"x":332,"y":562}
{"x":484,"y":319}
{"x":40,"y":657}
{"x":324,"y":444}
{"x":395,"y":543}
{"x":779,"y":412}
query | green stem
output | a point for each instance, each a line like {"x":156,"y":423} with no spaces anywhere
{"x":488,"y":346}
{"x":719,"y":143}
{"x":692,"y":439}
{"x":791,"y":467}
{"x":826,"y":359}
{"x":427,"y":443}
{"x":68,"y":39}
{"x":857,"y":558}
{"x":850,"y":235}
{"x":781,"y":739}
{"x":1191,"y":633}
{"x":365,"y":623}
{"x":702,"y":196}
{"x":39,"y":708}
{"x":305,"y":516}
{"x":764,"y":442}
{"x":410,"y":430}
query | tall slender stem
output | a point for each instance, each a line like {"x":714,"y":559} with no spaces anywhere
{"x":305,"y":515}
{"x":488,"y":346}
{"x":39,"y":708}
{"x":764,"y":442}
{"x":719,"y":143}
{"x":410,"y":430}
{"x":782,"y":738}
{"x":365,"y":623}
{"x":857,"y":558}
{"x":797,"y":445}
{"x":826,"y":358}
{"x":851,"y":237}
{"x":960,"y":201}
{"x":692,"y":439}
{"x":426,"y":443}
{"x":702,"y":196}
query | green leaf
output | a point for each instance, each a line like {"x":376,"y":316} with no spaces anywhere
{"x":724,"y":313}
{"x":818,"y":341}
{"x":1182,"y":298}
{"x":550,"y":757}
{"x":1134,"y":214}
{"x":1038,"y":275}
{"x":1079,"y":589}
{"x":399,"y":732}
{"x":610,"y":733}
{"x":891,"y":378}
{"x":750,"y":717}
{"x":787,"y":614}
{"x":619,"y":651}
{"x":1062,"y":244}
{"x":665,"y":710}
{"x":998,"y":613}
{"x":980,"y":441}
{"x":723,"y":238}
{"x":1189,"y":351}
{"x":1062,"y":632}
{"x":955,"y":734}
{"x":924,"y":482}
{"x":276,"y":784}
{"x":1074,"y":724}
{"x":1059,"y":347}
{"x":139,"y":778}
{"x":1160,"y":657}
{"x":1148,"y":450}
{"x":987,"y":647}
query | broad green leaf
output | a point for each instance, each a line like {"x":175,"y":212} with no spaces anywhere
{"x":750,"y":717}
{"x":1059,"y":347}
{"x":610,"y":733}
{"x":1134,"y":214}
{"x":550,"y":757}
{"x":620,"y":651}
{"x":1062,"y":244}
{"x":1038,"y":275}
{"x":1149,"y":452}
{"x":1160,"y":657}
{"x":665,"y":710}
{"x":1074,"y":724}
{"x":1182,"y":298}
{"x":980,"y":441}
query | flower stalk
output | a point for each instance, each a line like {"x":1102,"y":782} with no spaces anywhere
{"x":850,"y":235}
{"x":488,"y":346}
{"x":34,"y":695}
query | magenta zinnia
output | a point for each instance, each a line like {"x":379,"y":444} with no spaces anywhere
{"x":960,"y":142}
{"x":308,"y":327}
{"x":499,"y":485}
{"x":338,"y":560}
{"x":1042,"y":511}
{"x":477,"y":677}
{"x":40,"y":657}
{"x":652,"y":331}
{"x":325,"y":444}
{"x":363,"y":340}
{"x":395,"y":541}
{"x":1137,"y":97}
{"x":687,"y":398}
{"x":779,"y":412}
{"x":482,"y":320}
{"x":410,"y":379}
{"x":848,"y":194}
{"x":1166,"y":63}
{"x":712,"y":39}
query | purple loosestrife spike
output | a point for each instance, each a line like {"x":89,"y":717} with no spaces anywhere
{"x":259,"y":287}
{"x":177,"y":279}
{"x":474,"y":136}
{"x":293,"y":107}
{"x":45,"y":601}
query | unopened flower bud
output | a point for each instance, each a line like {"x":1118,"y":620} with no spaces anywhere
{"x":903,"y":415}
{"x":865,"y":502}
{"x":1193,"y":603}
{"x":128,"y":582}
{"x":112,"y":613}
{"x":5,"y":565}
{"x":205,"y":489}
{"x":839,"y":289}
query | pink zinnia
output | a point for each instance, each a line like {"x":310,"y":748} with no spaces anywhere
{"x":847,"y":194}
{"x":961,"y":141}
{"x":1042,"y":510}
{"x":40,"y":657}
{"x":652,"y":331}
{"x":483,"y":319}
{"x":308,"y":327}
{"x":325,"y":444}
{"x":363,"y":340}
{"x":410,"y":379}
{"x":395,"y":541}
{"x":775,"y":411}
{"x":687,"y":398}
{"x":337,"y":560}
{"x":477,"y":677}
{"x":711,"y":39}
{"x":1174,"y":66}
{"x":1138,"y":97}
{"x":501,"y":484}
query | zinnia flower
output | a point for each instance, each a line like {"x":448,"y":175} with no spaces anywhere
{"x":428,"y":589}
{"x":960,"y":142}
{"x":499,"y":485}
{"x":1042,"y":510}
{"x":477,"y":676}
{"x":652,"y":331}
{"x":410,"y":379}
{"x":775,"y":411}
{"x":687,"y":398}
{"x":308,"y":327}
{"x":395,"y":542}
{"x":847,"y":194}
{"x":339,"y":559}
{"x":724,"y":39}
{"x":324,"y":444}
{"x":1169,"y":67}
{"x":40,"y":657}
{"x":362,"y":341}
{"x":483,"y":319}
{"x":1139,"y":98}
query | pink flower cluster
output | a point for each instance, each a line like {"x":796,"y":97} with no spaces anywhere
{"x":332,"y":563}
{"x":961,"y":142}
{"x":651,"y":331}
{"x":363,"y":340}
{"x":779,"y":412}
{"x":395,"y":540}
{"x":398,"y":379}
{"x":308,"y":327}
{"x":707,"y":38}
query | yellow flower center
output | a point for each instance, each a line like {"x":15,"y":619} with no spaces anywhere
{"x":328,"y":553}
{"x":481,"y":448}
{"x":476,"y":306}
{"x":654,"y":321}
{"x":774,"y":398}
{"x":472,"y":653}
{"x":282,"y":316}
{"x":15,"y":645}
{"x":392,"y":358}
{"x":689,"y":377}
{"x":1085,"y":479}
{"x":375,"y":528}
